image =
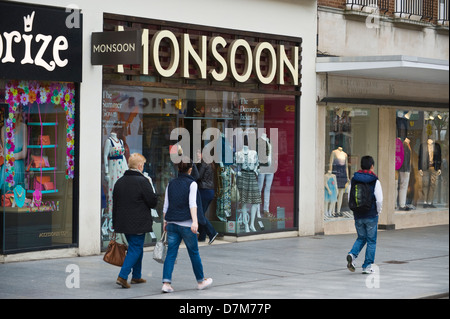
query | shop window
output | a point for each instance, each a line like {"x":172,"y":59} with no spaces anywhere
{"x":421,"y":160}
{"x":252,"y":194}
{"x":37,"y":164}
{"x":350,"y":134}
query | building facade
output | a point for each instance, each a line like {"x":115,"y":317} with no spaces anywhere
{"x":382,"y":90}
{"x":208,"y":76}
{"x":298,"y":89}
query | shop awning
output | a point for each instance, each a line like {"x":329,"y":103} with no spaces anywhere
{"x":391,"y":67}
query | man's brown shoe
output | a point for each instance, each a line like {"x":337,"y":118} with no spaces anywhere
{"x":122,"y":282}
{"x":138,"y":281}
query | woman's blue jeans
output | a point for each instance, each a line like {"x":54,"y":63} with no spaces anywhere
{"x":366,"y":229}
{"x":176,"y":233}
{"x":133,"y":260}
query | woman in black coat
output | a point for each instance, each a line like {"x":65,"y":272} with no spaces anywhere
{"x":133,"y":199}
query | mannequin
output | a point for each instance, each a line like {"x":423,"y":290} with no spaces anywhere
{"x":404,"y":172}
{"x":339,"y":167}
{"x":430,"y":159}
{"x":247,"y":184}
{"x":115,"y":165}
{"x":265,"y":177}
{"x":331,"y":192}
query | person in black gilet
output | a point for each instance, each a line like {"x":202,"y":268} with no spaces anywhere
{"x":181,"y":223}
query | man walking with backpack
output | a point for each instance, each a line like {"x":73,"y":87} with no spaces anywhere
{"x":366,"y":202}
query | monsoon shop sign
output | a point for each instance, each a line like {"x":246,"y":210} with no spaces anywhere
{"x":116,"y":48}
{"x":39,"y":43}
{"x":213,"y":58}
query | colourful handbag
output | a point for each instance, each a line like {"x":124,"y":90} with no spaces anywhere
{"x":38,"y":162}
{"x":40,"y":181}
{"x":7,"y":199}
{"x":44,"y":140}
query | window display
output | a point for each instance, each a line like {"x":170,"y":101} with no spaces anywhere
{"x":422,"y":156}
{"x":350,"y":134}
{"x":244,"y":135}
{"x":38,"y":150}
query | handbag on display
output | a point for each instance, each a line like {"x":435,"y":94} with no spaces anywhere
{"x":115,"y":253}
{"x":8,"y":199}
{"x":160,"y":251}
{"x":41,"y":181}
{"x":38,"y":162}
{"x":44,"y":140}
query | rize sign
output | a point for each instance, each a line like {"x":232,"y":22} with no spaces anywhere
{"x":182,"y":52}
{"x":39,"y":43}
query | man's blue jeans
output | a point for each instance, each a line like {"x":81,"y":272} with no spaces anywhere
{"x":133,"y":260}
{"x":366,"y":229}
{"x":175,"y":234}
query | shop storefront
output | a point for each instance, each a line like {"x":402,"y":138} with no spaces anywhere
{"x":40,"y":72}
{"x":241,"y":113}
{"x":403,"y":124}
{"x":216,"y":72}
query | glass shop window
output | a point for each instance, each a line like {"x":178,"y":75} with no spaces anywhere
{"x":351,"y":132}
{"x":37,"y":149}
{"x":421,"y":161}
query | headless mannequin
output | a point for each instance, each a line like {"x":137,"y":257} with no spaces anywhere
{"x":115,"y":166}
{"x":429,"y":174}
{"x":404,"y":173}
{"x":331,"y":199}
{"x":341,"y":158}
{"x":249,"y":222}
{"x":267,"y":178}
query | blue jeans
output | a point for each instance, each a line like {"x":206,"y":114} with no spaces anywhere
{"x":207,"y":196}
{"x":366,"y":229}
{"x":176,"y":233}
{"x":133,"y":260}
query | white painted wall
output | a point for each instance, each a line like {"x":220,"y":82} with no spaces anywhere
{"x":343,"y":36}
{"x":282,"y":17}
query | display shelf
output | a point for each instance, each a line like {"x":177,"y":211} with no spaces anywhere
{"x":50,"y":191}
{"x":42,"y":146}
{"x":44,"y":169}
{"x":43,"y":124}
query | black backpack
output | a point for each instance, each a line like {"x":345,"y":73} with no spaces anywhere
{"x":361,"y":196}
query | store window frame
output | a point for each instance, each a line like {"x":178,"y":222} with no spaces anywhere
{"x":419,"y":126}
{"x":72,"y":174}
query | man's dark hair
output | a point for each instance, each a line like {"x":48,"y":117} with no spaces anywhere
{"x":184,"y":165}
{"x":367,"y":162}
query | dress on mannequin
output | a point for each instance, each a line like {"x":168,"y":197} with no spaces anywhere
{"x":430,"y":160}
{"x":247,"y":184}
{"x":331,"y":192}
{"x":339,"y":167}
{"x":115,"y":165}
{"x":265,"y":177}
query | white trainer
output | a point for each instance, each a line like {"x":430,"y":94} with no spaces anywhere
{"x":205,"y":283}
